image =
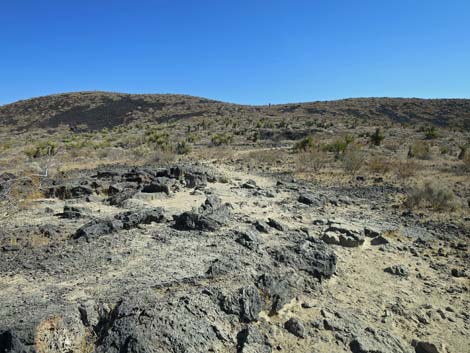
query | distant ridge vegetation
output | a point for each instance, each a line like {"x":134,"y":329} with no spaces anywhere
{"x":98,"y":110}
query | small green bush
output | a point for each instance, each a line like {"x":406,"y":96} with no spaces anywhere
{"x":377,"y":137}
{"x":183,"y":148}
{"x":430,"y":133}
{"x":304,"y":145}
{"x":221,"y":139}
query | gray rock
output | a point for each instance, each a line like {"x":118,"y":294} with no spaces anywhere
{"x":97,"y":228}
{"x":397,"y":270}
{"x":249,"y":184}
{"x":71,"y":212}
{"x":330,"y":238}
{"x":145,"y":324}
{"x":194,"y":221}
{"x":276,"y":292}
{"x":312,"y":256}
{"x":295,"y":327}
{"x":212,"y":215}
{"x":425,"y":347}
{"x":248,"y":240}
{"x":251,"y":340}
{"x":348,"y":235}
{"x":262,"y":227}
{"x":246,"y":304}
{"x":132,"y":219}
{"x":275,"y":224}
{"x":309,"y":199}
{"x":458,"y":272}
{"x":379,"y":240}
{"x":9,"y":343}
{"x":371,"y":232}
{"x":375,"y":341}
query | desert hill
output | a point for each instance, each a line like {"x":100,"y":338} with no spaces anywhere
{"x":97,"y":110}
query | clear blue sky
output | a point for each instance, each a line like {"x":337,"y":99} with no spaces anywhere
{"x":244,"y":51}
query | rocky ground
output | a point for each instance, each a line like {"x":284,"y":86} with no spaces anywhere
{"x":205,"y":258}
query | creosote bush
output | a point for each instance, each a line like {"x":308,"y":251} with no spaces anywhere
{"x":433,"y":196}
{"x":379,"y":165}
{"x":312,"y":160}
{"x":183,"y":148}
{"x":304,"y":145}
{"x":353,"y":159}
{"x":405,"y":169}
{"x":221,"y":139}
{"x":420,"y":150}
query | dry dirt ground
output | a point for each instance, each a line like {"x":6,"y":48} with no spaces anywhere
{"x":225,"y":278}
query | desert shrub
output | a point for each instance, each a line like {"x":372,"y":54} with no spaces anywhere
{"x":312,"y":160}
{"x":5,"y":145}
{"x":191,"y":138}
{"x":256,"y":136}
{"x":221,"y":139}
{"x":430,"y":133}
{"x":183,"y":148}
{"x":377,"y":137}
{"x":304,"y":145}
{"x":443,"y":149}
{"x":162,"y":157}
{"x":466,"y":162}
{"x":43,"y":148}
{"x":405,"y":169}
{"x":267,"y":157}
{"x":155,"y":136}
{"x":352,"y":159}
{"x":420,"y":150}
{"x":339,"y":146}
{"x":431,"y":195}
{"x":380,"y":165}
{"x":463,"y":152}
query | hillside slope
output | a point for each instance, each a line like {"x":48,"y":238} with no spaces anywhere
{"x":97,"y":110}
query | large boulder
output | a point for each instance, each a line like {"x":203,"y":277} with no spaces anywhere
{"x":210,"y":216}
{"x":312,"y":256}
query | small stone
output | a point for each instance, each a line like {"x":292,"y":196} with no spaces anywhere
{"x":295,"y":327}
{"x":457,"y":272}
{"x":397,"y":270}
{"x":275,"y":224}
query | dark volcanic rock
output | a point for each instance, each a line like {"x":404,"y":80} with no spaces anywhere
{"x":246,"y":304}
{"x":275,"y":224}
{"x":97,"y":228}
{"x":195,"y":221}
{"x":425,"y":347}
{"x":278,"y":291}
{"x":312,"y":256}
{"x":262,"y":227}
{"x":65,"y":192}
{"x":295,"y":327}
{"x":71,"y":212}
{"x":251,"y":340}
{"x":310,"y":200}
{"x":375,"y":341}
{"x":397,"y":270}
{"x":212,"y":215}
{"x":9,"y":343}
{"x":144,"y":324}
{"x":248,"y":240}
{"x":348,"y":235}
{"x":132,"y":219}
{"x":249,"y":184}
